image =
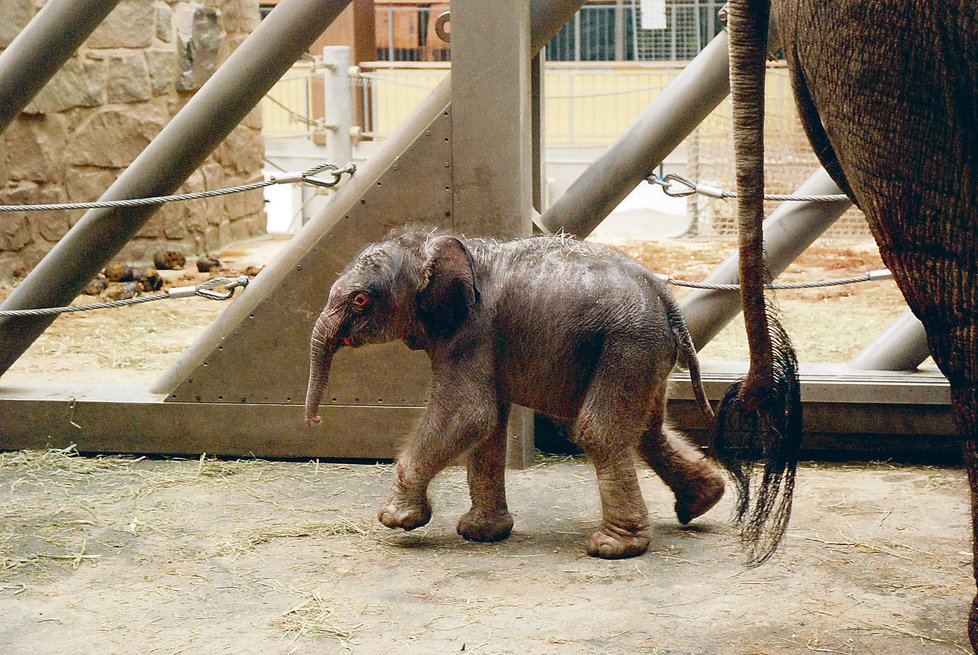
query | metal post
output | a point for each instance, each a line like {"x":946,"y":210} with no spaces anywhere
{"x":620,"y":30}
{"x":492,"y":123}
{"x":491,"y":118}
{"x":790,"y":229}
{"x":168,"y":161}
{"x":537,"y":68}
{"x":689,"y":99}
{"x":339,"y":104}
{"x":42,"y":48}
{"x":901,"y":347}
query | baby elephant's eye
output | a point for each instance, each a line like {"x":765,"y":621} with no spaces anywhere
{"x":361,"y":301}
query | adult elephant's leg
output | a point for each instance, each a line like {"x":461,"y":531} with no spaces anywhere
{"x":489,"y":518}
{"x":966,"y":414}
{"x":694,"y":479}
{"x":896,"y":91}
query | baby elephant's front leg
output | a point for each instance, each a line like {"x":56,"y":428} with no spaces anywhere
{"x":445,"y":433}
{"x":489,"y":518}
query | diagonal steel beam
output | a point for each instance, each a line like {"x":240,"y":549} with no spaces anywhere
{"x":42,"y":48}
{"x":900,"y":347}
{"x":226,"y":98}
{"x":682,"y":106}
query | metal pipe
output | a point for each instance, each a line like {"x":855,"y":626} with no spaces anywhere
{"x":42,"y":48}
{"x":690,"y":98}
{"x":901,"y":347}
{"x":226,"y":98}
{"x":338,"y":103}
{"x":790,"y":229}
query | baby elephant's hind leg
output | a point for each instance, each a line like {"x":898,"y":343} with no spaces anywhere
{"x":607,"y":429}
{"x":694,"y":479}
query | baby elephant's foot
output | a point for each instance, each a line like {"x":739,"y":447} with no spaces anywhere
{"x":701,"y":495}
{"x":401,"y":513}
{"x":485,"y":525}
{"x":615,"y":543}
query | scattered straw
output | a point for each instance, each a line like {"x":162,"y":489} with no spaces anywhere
{"x":247,"y":540}
{"x":315,"y":618}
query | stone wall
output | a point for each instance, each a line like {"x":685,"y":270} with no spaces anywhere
{"x":104,"y":107}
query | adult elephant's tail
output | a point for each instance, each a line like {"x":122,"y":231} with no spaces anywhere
{"x":759,"y":419}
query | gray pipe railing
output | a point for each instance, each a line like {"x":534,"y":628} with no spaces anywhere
{"x":224,"y":100}
{"x":900,"y":347}
{"x":42,"y":48}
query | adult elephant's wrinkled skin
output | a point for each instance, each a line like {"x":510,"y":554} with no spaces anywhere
{"x":888,"y":95}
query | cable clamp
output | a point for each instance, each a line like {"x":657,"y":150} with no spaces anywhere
{"x":675,"y":186}
{"x":287,"y":178}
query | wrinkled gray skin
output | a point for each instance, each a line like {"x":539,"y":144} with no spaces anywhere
{"x":888,"y":95}
{"x":574,"y":331}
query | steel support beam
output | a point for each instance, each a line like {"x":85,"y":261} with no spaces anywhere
{"x":683,"y":105}
{"x":901,"y":347}
{"x":491,"y":118}
{"x":790,"y":229}
{"x":233,"y":91}
{"x":492,"y":140}
{"x":874,"y":414}
{"x":42,"y":48}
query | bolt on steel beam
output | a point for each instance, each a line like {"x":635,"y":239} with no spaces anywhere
{"x":42,"y":48}
{"x":224,"y":100}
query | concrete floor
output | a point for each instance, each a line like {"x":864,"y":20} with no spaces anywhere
{"x":119,"y":556}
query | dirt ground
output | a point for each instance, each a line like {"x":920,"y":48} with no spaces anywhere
{"x":118,"y":555}
{"x":124,"y":555}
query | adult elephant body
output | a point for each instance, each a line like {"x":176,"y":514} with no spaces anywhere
{"x":888,"y":95}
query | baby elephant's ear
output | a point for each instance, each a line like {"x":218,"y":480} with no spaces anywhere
{"x":448,"y":287}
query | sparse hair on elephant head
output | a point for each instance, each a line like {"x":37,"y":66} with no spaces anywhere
{"x":415,"y":285}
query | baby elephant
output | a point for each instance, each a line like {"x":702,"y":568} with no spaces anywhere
{"x":571,"y":330}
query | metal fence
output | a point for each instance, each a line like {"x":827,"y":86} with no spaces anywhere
{"x":600,"y":31}
{"x":613,"y":32}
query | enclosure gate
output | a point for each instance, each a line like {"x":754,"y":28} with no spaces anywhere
{"x":455,"y":164}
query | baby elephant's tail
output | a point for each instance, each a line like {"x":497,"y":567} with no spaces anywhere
{"x":688,"y":352}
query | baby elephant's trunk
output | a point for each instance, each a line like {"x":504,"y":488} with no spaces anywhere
{"x":322,"y":346}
